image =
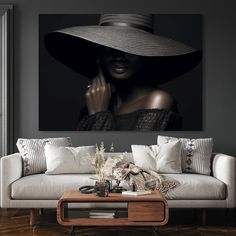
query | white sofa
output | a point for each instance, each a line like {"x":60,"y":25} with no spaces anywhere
{"x":43,"y":191}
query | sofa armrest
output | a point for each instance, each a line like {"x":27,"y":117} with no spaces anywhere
{"x":224,"y":168}
{"x":11,"y":170}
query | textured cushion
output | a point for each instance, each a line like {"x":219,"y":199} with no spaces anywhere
{"x":42,"y":186}
{"x":195,"y":153}
{"x":164,"y":158}
{"x":196,"y":187}
{"x":32,"y":152}
{"x":70,"y":160}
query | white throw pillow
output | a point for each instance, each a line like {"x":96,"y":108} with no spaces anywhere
{"x":195,"y":153}
{"x":70,"y":160}
{"x":163,"y":158}
{"x":32,"y":152}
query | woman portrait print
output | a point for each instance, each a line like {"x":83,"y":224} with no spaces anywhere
{"x":125,"y":64}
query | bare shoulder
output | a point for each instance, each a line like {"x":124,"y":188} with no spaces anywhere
{"x":159,"y":99}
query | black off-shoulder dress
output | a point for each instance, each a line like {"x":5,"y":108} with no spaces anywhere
{"x":140,"y":120}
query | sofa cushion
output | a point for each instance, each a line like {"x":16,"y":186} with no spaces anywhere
{"x":195,"y":153}
{"x":42,"y":186}
{"x":164,"y":158}
{"x":197,"y":187}
{"x":32,"y":152}
{"x":69,"y":160}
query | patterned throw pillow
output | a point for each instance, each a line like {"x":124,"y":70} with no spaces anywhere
{"x":32,"y":152}
{"x":195,"y":153}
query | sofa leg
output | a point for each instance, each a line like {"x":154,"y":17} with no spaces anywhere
{"x":41,"y":211}
{"x":204,"y":216}
{"x":33,"y":216}
{"x":4,"y":212}
{"x":229,"y":217}
{"x":195,"y":216}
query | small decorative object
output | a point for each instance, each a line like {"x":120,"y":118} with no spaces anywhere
{"x":102,"y":188}
{"x":134,"y":187}
{"x":104,"y":169}
{"x":117,"y":188}
{"x":87,"y":189}
{"x":137,"y":193}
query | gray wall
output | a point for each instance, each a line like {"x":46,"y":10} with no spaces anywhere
{"x":219,"y":69}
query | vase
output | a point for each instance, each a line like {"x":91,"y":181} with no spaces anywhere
{"x":102,"y":188}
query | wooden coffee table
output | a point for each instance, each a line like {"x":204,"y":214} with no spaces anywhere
{"x":142,"y":211}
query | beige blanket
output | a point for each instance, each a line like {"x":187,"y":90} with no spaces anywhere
{"x":145,"y":179}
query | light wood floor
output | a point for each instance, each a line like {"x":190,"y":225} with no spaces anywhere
{"x":181,"y":223}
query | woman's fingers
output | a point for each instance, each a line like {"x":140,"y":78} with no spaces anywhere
{"x":101,"y":77}
{"x":99,"y":83}
{"x":98,"y":95}
{"x":93,"y":86}
{"x":102,"y":82}
{"x":106,"y":88}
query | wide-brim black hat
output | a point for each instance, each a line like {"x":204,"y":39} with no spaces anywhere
{"x":78,"y":47}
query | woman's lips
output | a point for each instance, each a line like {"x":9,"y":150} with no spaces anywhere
{"x":119,"y":68}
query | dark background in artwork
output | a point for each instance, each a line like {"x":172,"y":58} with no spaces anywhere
{"x":219,"y":70}
{"x":61,"y":90}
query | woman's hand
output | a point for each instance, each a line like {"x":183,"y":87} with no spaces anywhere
{"x":98,"y":95}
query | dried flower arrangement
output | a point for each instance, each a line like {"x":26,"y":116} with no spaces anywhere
{"x":104,"y":165}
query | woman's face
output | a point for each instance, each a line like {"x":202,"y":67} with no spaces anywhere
{"x":120,"y":65}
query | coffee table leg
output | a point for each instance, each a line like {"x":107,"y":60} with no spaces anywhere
{"x":72,"y":232}
{"x":155,"y":231}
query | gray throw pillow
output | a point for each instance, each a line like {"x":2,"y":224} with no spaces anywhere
{"x":195,"y":153}
{"x":32,"y":152}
